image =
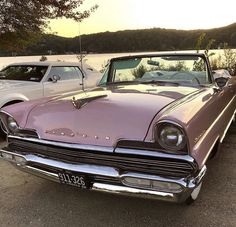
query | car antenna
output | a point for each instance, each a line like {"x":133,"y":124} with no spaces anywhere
{"x":81,"y":57}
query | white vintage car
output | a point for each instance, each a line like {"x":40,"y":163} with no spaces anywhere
{"x":26,"y":81}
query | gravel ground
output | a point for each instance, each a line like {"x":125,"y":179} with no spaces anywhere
{"x":27,"y":200}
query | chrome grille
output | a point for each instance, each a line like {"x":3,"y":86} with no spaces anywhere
{"x":124,"y":162}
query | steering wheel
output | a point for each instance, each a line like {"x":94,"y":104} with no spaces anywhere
{"x":189,"y":74}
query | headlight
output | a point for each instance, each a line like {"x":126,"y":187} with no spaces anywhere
{"x":9,"y":125}
{"x":171,"y":137}
{"x":12,"y":125}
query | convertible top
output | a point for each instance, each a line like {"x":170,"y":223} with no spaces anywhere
{"x":160,"y":55}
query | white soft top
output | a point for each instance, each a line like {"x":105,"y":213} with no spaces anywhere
{"x":221,"y":73}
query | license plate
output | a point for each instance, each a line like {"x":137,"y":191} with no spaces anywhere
{"x":74,"y":180}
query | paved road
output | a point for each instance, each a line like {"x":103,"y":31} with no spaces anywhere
{"x":26,"y":200}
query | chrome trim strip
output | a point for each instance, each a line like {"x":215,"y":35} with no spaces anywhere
{"x":82,"y":168}
{"x":47,"y":174}
{"x":187,"y":158}
{"x":201,"y":174}
{"x":65,"y":145}
{"x":117,"y":150}
{"x":212,"y":125}
{"x":227,"y":127}
{"x":129,"y":190}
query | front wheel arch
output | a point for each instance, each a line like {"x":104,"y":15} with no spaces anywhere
{"x":215,"y":150}
{"x":12,"y":102}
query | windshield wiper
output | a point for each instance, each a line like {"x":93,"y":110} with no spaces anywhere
{"x":123,"y":82}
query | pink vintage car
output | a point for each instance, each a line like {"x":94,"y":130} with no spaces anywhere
{"x":148,"y":129}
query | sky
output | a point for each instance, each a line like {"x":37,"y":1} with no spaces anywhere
{"x":115,"y":15}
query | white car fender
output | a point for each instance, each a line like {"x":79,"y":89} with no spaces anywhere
{"x":11,"y":98}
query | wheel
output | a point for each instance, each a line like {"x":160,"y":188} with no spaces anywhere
{"x":194,"y":195}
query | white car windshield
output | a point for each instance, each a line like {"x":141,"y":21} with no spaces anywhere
{"x":23,"y":72}
{"x":186,"y":70}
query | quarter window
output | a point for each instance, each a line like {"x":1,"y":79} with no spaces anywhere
{"x":66,"y":72}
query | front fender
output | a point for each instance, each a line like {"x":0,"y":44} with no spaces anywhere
{"x":20,"y":111}
{"x":204,"y":116}
{"x":12,"y":97}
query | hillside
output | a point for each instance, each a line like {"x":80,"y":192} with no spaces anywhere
{"x":155,"y":39}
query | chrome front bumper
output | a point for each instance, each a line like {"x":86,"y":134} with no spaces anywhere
{"x":44,"y":168}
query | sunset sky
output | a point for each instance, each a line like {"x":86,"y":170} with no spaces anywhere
{"x":114,"y":15}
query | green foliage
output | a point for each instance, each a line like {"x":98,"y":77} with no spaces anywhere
{"x":204,"y":44}
{"x":225,"y":61}
{"x":21,"y":19}
{"x":199,"y":42}
{"x":142,"y":69}
{"x":18,"y":41}
{"x":179,"y":66}
{"x":155,"y":39}
{"x":138,"y":72}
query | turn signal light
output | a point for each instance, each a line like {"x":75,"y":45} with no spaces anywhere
{"x":152,"y":184}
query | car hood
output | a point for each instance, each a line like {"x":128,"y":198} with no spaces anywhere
{"x":103,"y":116}
{"x":12,"y":84}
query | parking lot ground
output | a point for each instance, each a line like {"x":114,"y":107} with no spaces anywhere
{"x":26,"y":200}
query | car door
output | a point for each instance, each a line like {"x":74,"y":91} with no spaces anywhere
{"x":69,"y":78}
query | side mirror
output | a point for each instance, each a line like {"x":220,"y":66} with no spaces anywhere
{"x":55,"y":78}
{"x":221,"y":81}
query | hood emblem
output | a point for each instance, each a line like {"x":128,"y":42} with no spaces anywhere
{"x":79,"y":103}
{"x":61,"y":132}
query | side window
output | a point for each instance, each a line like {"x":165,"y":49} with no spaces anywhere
{"x":64,"y":72}
{"x":104,"y":77}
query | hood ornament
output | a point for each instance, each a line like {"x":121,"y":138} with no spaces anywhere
{"x":79,"y":103}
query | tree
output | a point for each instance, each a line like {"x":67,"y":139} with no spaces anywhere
{"x":22,"y":21}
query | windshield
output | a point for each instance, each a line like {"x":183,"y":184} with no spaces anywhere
{"x":186,"y":70}
{"x":23,"y":72}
